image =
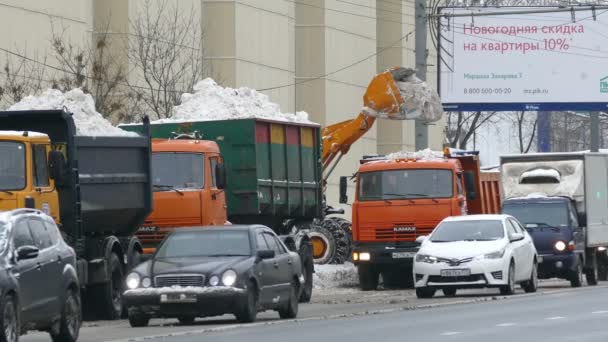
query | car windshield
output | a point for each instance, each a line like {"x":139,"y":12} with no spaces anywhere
{"x":189,"y":174}
{"x":205,"y":243}
{"x":12,"y":165}
{"x":405,"y":184}
{"x":478,"y":230}
{"x":538,"y":215}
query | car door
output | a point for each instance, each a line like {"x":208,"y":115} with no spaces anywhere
{"x":50,"y":263}
{"x":28,"y":274}
{"x":266,"y":272}
{"x":218,"y":196}
{"x":280,"y":268}
{"x":518,"y":250}
{"x":528,"y":248}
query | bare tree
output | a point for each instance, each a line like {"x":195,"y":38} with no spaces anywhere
{"x":462,"y":126}
{"x":524,"y":124}
{"x":21,"y":76}
{"x":167,"y":53}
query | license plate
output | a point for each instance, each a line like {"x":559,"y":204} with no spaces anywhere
{"x":401,"y":255}
{"x":459,"y":272}
{"x":177,"y":298}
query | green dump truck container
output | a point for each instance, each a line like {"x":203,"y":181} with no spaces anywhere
{"x":273,"y":167}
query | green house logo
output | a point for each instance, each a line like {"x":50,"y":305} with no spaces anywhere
{"x":604,"y":85}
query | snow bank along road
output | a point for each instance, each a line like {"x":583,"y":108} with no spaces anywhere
{"x":348,"y":306}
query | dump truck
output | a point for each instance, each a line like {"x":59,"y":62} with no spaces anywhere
{"x":401,"y":198}
{"x":276,"y":170}
{"x":97,"y":189}
{"x":561,"y":200}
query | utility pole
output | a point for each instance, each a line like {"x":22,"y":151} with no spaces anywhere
{"x":595,"y":131}
{"x":421,"y":130}
{"x":543,"y":134}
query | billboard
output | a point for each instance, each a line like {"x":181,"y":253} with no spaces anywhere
{"x":514,"y":62}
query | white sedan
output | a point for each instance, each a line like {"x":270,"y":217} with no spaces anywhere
{"x":475,"y":251}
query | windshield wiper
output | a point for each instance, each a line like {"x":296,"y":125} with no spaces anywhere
{"x":170,"y":187}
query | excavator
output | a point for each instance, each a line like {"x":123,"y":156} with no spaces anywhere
{"x":395,"y":94}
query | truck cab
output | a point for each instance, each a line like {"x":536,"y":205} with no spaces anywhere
{"x":24,"y":173}
{"x":399,"y":200}
{"x":553,"y":224}
{"x":188,"y":180}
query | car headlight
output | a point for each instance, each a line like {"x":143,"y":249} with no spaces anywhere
{"x":214,"y":280}
{"x":229,"y":278}
{"x":364,"y":256}
{"x":494,"y":255}
{"x":426,"y":258}
{"x":146,"y":282}
{"x":133,"y":280}
{"x":560,"y":246}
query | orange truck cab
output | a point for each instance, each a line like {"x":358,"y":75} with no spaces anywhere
{"x":399,"y":200}
{"x":188,"y":181}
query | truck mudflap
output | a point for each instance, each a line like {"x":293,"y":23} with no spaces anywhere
{"x":375,"y":253}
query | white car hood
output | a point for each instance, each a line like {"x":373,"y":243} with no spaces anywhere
{"x":461,"y":249}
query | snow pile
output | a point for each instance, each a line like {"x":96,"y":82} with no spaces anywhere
{"x":88,"y":121}
{"x":426,"y":154}
{"x":211,"y":101}
{"x":334,"y":276}
{"x":541,"y":173}
{"x":421,"y":102}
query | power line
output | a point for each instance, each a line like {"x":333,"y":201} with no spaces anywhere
{"x":486,"y":14}
{"x":343,"y":12}
{"x":343,"y":68}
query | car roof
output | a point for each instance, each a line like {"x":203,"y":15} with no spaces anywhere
{"x":482,"y":217}
{"x":233,"y":228}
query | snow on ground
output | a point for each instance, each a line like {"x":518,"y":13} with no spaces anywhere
{"x":426,"y":154}
{"x":88,"y":121}
{"x":335,"y":276}
{"x":211,"y":101}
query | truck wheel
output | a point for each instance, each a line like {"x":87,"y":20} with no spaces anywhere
{"x":323,"y":244}
{"x":249,"y":309}
{"x":368,"y":277}
{"x":307,"y":270}
{"x":576,"y":277}
{"x":509,"y":289}
{"x":71,"y":319}
{"x":449,"y":291}
{"x":109,"y":295}
{"x":602,"y":269}
{"x":531,"y":285}
{"x":592,"y":273}
{"x":137,"y":320}
{"x":391,"y":280}
{"x":425,"y":292}
{"x":186,"y":320}
{"x":10,"y":329}
{"x":341,"y":232}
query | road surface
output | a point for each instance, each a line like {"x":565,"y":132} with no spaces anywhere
{"x":353,"y":316}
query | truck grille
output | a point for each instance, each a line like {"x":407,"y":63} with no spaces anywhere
{"x":389,"y":234}
{"x":151,"y":237}
{"x":179,"y":280}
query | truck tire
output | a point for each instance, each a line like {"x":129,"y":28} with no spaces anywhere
{"x":576,"y":276}
{"x":323,"y":244}
{"x":602,"y":267}
{"x":342,"y":233}
{"x":449,"y":291}
{"x":305,"y":253}
{"x":592,"y":273}
{"x":368,"y":277}
{"x":109,"y":295}
{"x":425,"y":292}
{"x":137,"y":320}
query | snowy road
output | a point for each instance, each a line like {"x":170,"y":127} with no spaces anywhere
{"x":348,"y":306}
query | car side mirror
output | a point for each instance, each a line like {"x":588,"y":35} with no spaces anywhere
{"x":421,"y":239}
{"x":27,"y":252}
{"x":57,"y":167}
{"x":265,"y":254}
{"x":517,"y":237}
{"x":469,"y":185}
{"x":220,"y":176}
{"x":343,"y":189}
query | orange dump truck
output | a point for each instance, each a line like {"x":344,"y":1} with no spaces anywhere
{"x":399,"y":199}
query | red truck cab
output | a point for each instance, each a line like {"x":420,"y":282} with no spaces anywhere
{"x":399,"y":200}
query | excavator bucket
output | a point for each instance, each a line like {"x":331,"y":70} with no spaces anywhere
{"x":397,"y":94}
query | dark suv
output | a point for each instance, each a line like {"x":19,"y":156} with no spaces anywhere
{"x":38,"y":281}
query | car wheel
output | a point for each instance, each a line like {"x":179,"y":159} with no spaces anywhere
{"x":138,"y":320}
{"x":307,"y":271}
{"x":449,"y":291}
{"x":109,"y":295}
{"x":425,"y":292}
{"x":10,"y":320}
{"x":186,"y":320}
{"x":531,"y":285}
{"x":368,"y":277}
{"x":249,"y":309}
{"x":71,"y":319}
{"x":291,"y":308}
{"x":509,"y":289}
{"x":576,"y":278}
